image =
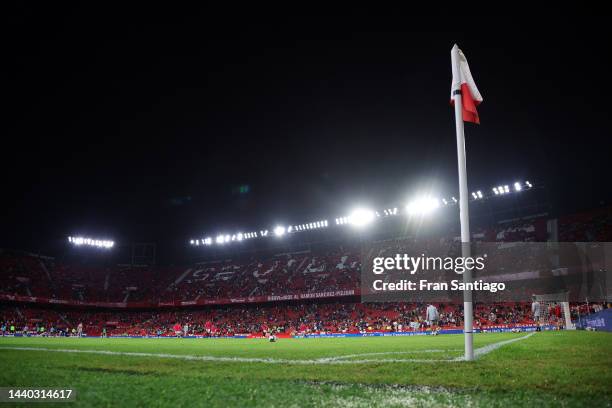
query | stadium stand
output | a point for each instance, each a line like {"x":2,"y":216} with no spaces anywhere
{"x":26,"y":279}
{"x":589,"y":226}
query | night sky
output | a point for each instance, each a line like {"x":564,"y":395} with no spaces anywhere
{"x":144,"y":128}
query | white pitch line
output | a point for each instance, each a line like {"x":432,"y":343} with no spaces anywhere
{"x":213,"y":358}
{"x":384,"y":353}
{"x":481,"y":351}
{"x":323,"y":361}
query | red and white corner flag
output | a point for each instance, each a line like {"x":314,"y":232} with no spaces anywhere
{"x":464,"y":84}
{"x":465,"y":97}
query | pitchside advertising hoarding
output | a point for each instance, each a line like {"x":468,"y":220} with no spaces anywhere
{"x":199,"y":302}
{"x":500,"y":272}
{"x":601,"y":320}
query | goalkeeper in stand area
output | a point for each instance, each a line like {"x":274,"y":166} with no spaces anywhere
{"x":536,"y":311}
{"x":432,"y":316}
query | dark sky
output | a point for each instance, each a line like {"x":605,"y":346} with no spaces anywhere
{"x":141,"y":128}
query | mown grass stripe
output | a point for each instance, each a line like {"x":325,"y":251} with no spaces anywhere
{"x":346,"y":359}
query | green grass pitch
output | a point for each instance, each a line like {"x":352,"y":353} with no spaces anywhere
{"x":546,"y":369}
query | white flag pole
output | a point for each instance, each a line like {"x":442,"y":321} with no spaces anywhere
{"x":464,"y":218}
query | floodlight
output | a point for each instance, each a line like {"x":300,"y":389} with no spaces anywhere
{"x":517,"y":186}
{"x":495,"y":190}
{"x":479,"y":194}
{"x":98,"y":243}
{"x":279,"y":231}
{"x":475,"y":196}
{"x":220,"y":239}
{"x":361,"y":217}
{"x":506,"y":188}
{"x":423,"y":205}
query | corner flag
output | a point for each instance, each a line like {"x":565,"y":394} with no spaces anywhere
{"x":464,"y":84}
{"x":465,"y":98}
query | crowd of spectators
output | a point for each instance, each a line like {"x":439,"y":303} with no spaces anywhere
{"x":333,"y":269}
{"x":592,"y":226}
{"x":289,"y":319}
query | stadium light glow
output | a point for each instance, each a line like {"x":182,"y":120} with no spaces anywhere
{"x":361,"y":217}
{"x":92,"y":242}
{"x":422,"y":206}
